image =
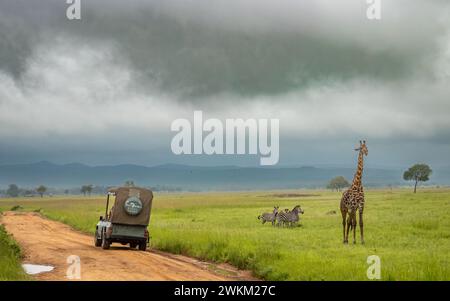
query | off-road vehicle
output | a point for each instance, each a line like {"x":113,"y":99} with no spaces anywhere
{"x":128,"y":219}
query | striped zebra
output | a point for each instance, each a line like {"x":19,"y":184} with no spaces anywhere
{"x":289,"y":218}
{"x":269,"y":217}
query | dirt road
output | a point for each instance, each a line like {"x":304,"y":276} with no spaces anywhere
{"x":47,"y":242}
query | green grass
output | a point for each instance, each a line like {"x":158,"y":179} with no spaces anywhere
{"x":10,"y":268}
{"x":409,"y":232}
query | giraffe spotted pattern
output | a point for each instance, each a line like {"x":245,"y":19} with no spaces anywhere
{"x":353,"y":199}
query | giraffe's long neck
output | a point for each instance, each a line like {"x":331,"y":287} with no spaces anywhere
{"x":359,"y":171}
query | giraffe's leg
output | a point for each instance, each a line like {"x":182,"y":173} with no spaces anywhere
{"x":344,"y":215}
{"x":361,"y":225}
{"x":347,"y":230}
{"x":354,"y":225}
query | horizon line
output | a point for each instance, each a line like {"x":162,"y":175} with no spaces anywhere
{"x":297,"y":165}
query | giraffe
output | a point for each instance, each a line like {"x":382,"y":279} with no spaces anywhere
{"x":353,"y":199}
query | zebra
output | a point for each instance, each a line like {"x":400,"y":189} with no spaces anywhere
{"x":269,"y":217}
{"x":280,"y":221}
{"x":289,"y":218}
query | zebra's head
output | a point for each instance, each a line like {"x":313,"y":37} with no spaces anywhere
{"x":298,"y":209}
{"x":275,"y":209}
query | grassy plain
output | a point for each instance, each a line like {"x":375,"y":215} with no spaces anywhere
{"x":10,"y":254}
{"x":409,"y":232}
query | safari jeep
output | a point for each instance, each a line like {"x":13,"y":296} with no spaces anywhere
{"x":128,"y":219}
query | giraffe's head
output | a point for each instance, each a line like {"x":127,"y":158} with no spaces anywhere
{"x":362,"y":147}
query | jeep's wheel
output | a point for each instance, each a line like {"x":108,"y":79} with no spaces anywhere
{"x":97,"y":241}
{"x":105,"y":242}
{"x":143,"y":246}
{"x":133,"y":245}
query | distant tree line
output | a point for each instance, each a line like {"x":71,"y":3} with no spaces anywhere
{"x":14,"y":191}
{"x":167,"y":188}
{"x":416,"y":173}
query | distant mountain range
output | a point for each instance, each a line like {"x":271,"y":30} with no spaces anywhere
{"x":197,"y":177}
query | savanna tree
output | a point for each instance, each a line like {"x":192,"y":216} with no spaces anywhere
{"x":89,"y":189}
{"x":86,"y":189}
{"x":417,"y":173}
{"x":13,"y":190}
{"x":41,"y":190}
{"x":338,"y":183}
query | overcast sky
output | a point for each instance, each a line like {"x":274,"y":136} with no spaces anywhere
{"x":105,"y":89}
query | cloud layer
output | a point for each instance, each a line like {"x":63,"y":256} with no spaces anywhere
{"x":124,"y":72}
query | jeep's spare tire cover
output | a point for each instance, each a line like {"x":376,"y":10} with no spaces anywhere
{"x":137,"y":199}
{"x":133,"y":205}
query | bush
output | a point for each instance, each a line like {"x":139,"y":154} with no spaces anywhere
{"x":16,"y":208}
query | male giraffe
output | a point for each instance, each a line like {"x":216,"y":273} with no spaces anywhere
{"x":353,"y":199}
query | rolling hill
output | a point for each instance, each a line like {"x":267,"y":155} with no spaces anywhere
{"x":197,"y":177}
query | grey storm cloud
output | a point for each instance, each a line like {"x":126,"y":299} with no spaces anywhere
{"x":130,"y":68}
{"x":196,"y":49}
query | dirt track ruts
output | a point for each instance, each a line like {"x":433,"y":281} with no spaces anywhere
{"x":48,"y":242}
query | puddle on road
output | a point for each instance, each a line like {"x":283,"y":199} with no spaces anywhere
{"x":33,"y":269}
